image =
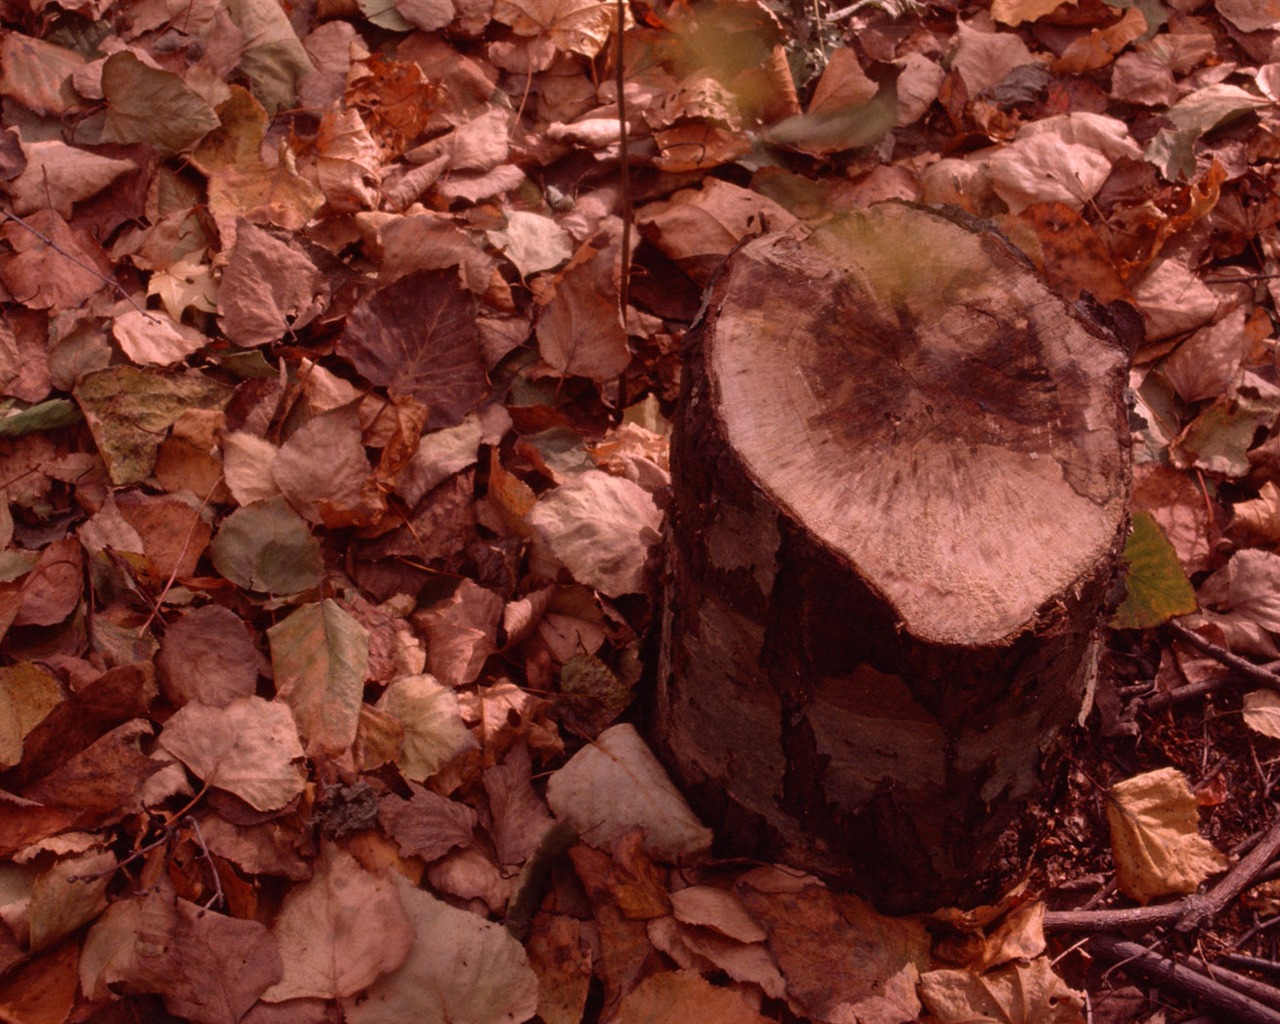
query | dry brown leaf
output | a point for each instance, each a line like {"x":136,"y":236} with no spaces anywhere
{"x":601,"y":528}
{"x":675,"y":997}
{"x":433,"y":729}
{"x":1262,"y":712}
{"x":874,"y":982}
{"x":249,"y":747}
{"x":616,"y":784}
{"x":1155,"y":839}
{"x":418,"y":337}
{"x":1015,"y":12}
{"x":209,"y":968}
{"x":339,"y":932}
{"x":461,"y":632}
{"x":427,"y":825}
{"x":1019,"y":994}
{"x":520,"y":817}
{"x":717,"y":909}
{"x":560,"y":956}
{"x":207,"y":656}
{"x":461,"y":969}
{"x":1248,"y":584}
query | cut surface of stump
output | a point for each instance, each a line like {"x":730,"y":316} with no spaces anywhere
{"x":901,"y":471}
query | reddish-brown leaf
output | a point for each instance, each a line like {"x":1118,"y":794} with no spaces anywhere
{"x":418,"y":337}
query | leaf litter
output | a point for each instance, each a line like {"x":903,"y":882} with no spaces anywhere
{"x":334,"y":477}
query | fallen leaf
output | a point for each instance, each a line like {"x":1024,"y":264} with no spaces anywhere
{"x":146,"y":104}
{"x":461,"y":969}
{"x":1157,"y":589}
{"x":874,"y":982}
{"x":268,"y":547}
{"x":340,"y":931}
{"x":320,"y":658}
{"x":130,"y":410}
{"x":207,"y":656}
{"x":1248,"y":584}
{"x":1015,"y":12}
{"x":616,"y":784}
{"x":426,"y":825}
{"x":1018,"y":994}
{"x":249,"y":747}
{"x":674,"y":997}
{"x":601,"y":528}
{"x":209,"y":969}
{"x":433,"y":730}
{"x":1155,"y":839}
{"x":1262,"y":712}
{"x":418,"y":337}
{"x":269,"y":288}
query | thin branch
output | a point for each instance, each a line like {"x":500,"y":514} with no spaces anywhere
{"x":624,"y":162}
{"x":1255,"y":673}
{"x":1189,"y":913}
{"x":1141,"y":961}
{"x":1201,"y":909}
{"x":111,"y":283}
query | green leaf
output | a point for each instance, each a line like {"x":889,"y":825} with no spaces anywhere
{"x":320,"y":655}
{"x":268,"y":547}
{"x":56,"y":412}
{"x":130,"y":410}
{"x":1158,"y":588}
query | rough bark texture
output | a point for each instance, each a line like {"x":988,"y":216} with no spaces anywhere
{"x":901,"y":471}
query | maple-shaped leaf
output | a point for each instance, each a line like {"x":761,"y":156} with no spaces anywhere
{"x":1018,"y":994}
{"x":1155,"y":839}
{"x":418,"y":337}
{"x":320,"y":655}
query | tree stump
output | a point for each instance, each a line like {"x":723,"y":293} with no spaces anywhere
{"x":901,"y":469}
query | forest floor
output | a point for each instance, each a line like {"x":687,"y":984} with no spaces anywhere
{"x":337,"y":362}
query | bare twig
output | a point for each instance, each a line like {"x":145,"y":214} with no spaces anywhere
{"x":1201,"y":909}
{"x":218,"y":898}
{"x":1139,"y":960}
{"x":1189,"y":913}
{"x":116,"y":285}
{"x":1112,"y":920}
{"x":1263,"y":674}
{"x":624,"y":168}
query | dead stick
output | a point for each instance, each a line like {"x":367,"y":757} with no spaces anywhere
{"x":1256,"y":673}
{"x":1201,"y":909}
{"x":624,"y":167}
{"x":1139,"y":960}
{"x":1112,"y":920}
{"x":1190,"y":913}
{"x":1251,"y":987}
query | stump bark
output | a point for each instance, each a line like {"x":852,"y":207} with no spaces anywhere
{"x":901,"y":469}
